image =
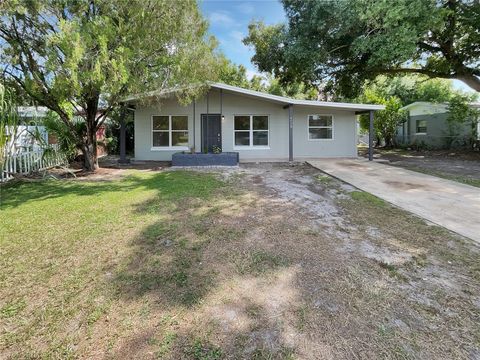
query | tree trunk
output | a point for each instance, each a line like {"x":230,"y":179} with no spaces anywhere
{"x":471,"y":80}
{"x":89,"y":148}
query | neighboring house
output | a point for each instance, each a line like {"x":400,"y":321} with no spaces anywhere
{"x":30,"y":134}
{"x":427,"y":125}
{"x":254,"y":124}
{"x":31,"y":119}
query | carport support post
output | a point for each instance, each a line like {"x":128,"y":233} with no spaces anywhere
{"x":123,"y":153}
{"x":370,"y":137}
{"x":290,"y":132}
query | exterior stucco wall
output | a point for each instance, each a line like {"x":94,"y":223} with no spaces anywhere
{"x":343,"y":144}
{"x":344,"y":139}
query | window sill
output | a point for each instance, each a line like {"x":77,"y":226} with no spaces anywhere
{"x":422,"y":133}
{"x":321,"y":139}
{"x":170,"y":148}
{"x":251,"y":148}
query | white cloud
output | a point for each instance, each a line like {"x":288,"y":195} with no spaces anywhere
{"x":221,"y":18}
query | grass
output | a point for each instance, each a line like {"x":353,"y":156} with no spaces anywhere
{"x":76,"y":250}
{"x":458,"y":178}
{"x":182,"y":265}
{"x":367,"y":198}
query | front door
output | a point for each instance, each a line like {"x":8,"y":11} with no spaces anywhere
{"x":211,"y":132}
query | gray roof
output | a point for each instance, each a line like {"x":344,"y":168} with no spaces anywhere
{"x":269,"y":97}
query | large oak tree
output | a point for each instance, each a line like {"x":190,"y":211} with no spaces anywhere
{"x":344,"y":42}
{"x":82,"y":57}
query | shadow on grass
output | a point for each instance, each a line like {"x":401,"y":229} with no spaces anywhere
{"x":170,"y":185}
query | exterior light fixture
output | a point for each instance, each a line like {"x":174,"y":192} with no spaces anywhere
{"x":223,"y":117}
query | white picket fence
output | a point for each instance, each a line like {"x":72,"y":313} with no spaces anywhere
{"x":25,"y":163}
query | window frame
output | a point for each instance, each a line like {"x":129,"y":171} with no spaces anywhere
{"x":321,"y":127}
{"x":170,"y":131}
{"x":416,"y":127}
{"x":250,"y":134}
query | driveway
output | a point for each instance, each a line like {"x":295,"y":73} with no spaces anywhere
{"x":447,"y":203}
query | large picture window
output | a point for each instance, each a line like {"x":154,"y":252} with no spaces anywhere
{"x":170,"y":131}
{"x":320,"y":127}
{"x":251,"y":130}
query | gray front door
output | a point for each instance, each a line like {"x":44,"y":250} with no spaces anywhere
{"x":211,"y":131}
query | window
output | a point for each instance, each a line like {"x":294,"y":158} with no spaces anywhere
{"x":421,"y":126}
{"x":170,"y":131}
{"x":320,"y":127}
{"x":251,"y":130}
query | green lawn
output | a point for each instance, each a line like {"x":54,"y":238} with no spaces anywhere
{"x":73,"y":252}
{"x":274,"y":262}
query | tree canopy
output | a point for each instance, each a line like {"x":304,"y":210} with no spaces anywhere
{"x":343,"y":43}
{"x":236,"y":75}
{"x":411,"y":88}
{"x":83,"y":57}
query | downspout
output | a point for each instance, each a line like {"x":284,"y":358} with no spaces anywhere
{"x":290,"y":132}
{"x":370,"y":137}
{"x":194,"y":148}
{"x":206,"y":121}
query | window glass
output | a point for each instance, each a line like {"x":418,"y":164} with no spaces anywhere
{"x":251,"y":130}
{"x":320,"y":120}
{"x":169,"y":130}
{"x":260,"y":122}
{"x":242,"y":122}
{"x":260,"y":138}
{"x":179,"y":122}
{"x":180,"y":138}
{"x":320,"y":127}
{"x":160,"y":138}
{"x":242,"y":138}
{"x":160,"y":123}
{"x":421,"y":126}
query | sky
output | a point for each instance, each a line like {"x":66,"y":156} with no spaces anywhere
{"x":229,"y":21}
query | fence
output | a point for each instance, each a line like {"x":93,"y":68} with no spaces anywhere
{"x":25,"y":163}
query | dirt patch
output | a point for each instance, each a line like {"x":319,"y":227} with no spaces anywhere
{"x":279,"y":262}
{"x":459,"y":166}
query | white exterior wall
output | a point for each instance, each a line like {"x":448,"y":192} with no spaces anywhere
{"x":342,"y":145}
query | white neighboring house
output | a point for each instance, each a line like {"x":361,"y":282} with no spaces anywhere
{"x":259,"y":126}
{"x":24,"y":138}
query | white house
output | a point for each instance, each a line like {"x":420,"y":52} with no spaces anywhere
{"x":257,"y":125}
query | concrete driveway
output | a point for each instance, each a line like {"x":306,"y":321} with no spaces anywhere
{"x":446,"y":203}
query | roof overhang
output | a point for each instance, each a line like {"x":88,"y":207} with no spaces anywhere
{"x":267,"y":97}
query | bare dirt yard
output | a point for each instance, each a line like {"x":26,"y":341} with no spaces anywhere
{"x":267,"y":261}
{"x":461,"y":166}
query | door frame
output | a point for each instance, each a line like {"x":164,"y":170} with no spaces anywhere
{"x":204,"y":130}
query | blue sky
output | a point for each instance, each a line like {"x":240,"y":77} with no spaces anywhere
{"x":229,"y":21}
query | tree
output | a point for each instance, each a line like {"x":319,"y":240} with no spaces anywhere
{"x":462,"y":115}
{"x":9,"y":119}
{"x":232,"y":74}
{"x":386,"y":121}
{"x":343,"y":43}
{"x":296,"y":90}
{"x":81,"y":58}
{"x":411,"y":88}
